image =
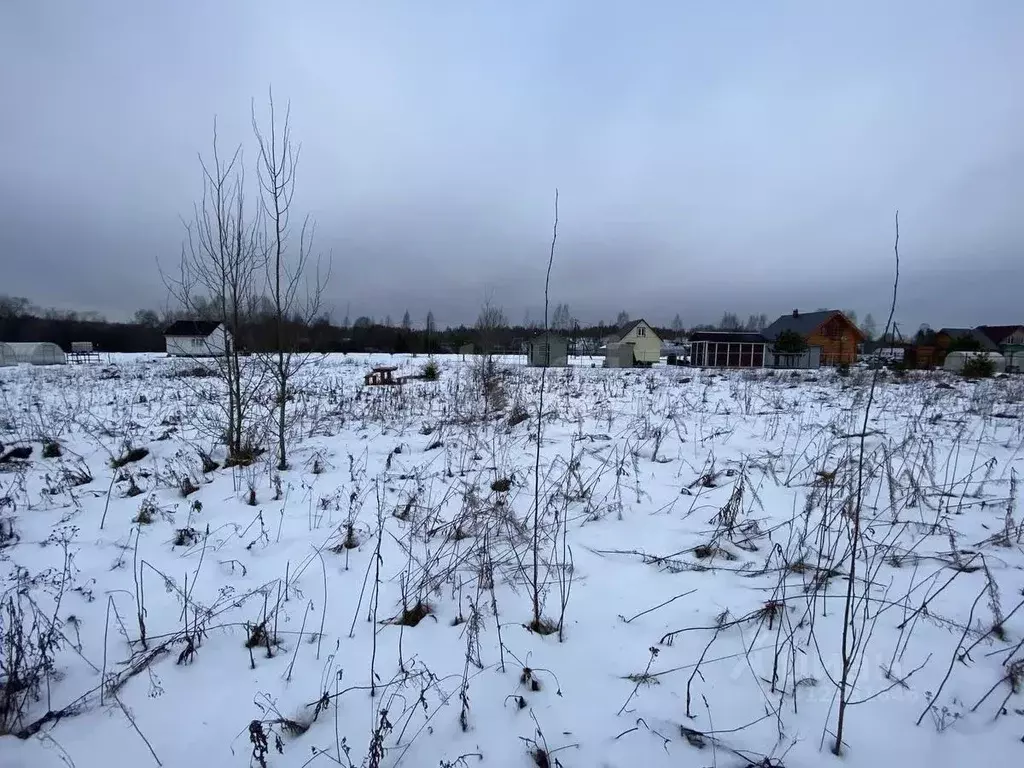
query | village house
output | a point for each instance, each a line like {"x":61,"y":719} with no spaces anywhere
{"x":831,"y":330}
{"x":197,"y":338}
{"x":635,"y":344}
{"x":934,"y":348}
{"x":1009,"y":340}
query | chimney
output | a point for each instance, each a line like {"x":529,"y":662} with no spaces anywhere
{"x":796,"y":313}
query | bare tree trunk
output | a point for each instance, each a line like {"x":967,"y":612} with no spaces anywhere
{"x":219,"y":260}
{"x":286,"y":273}
{"x":851,"y":643}
{"x":537,"y":619}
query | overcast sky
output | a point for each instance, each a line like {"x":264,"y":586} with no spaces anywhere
{"x":741,"y":156}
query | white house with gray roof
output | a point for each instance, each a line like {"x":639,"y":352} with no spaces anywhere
{"x":197,"y":338}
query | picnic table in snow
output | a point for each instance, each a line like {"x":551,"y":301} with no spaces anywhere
{"x":382,"y":375}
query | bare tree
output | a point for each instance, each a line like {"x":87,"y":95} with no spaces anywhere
{"x":538,"y":624}
{"x":147,"y":318}
{"x":622,"y":320}
{"x":677,"y":323}
{"x":14,"y":306}
{"x":223,"y":253}
{"x":853,"y":641}
{"x":295,"y":294}
{"x":490,"y":320}
{"x":869,"y":326}
{"x":754,"y":322}
{"x":406,"y":322}
{"x":730,"y":322}
{"x":562,"y":318}
{"x":431,"y":328}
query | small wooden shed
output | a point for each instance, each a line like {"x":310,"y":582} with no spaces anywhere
{"x":548,"y":350}
{"x":618,"y":355}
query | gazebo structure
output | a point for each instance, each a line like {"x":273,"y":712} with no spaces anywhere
{"x":728,"y":349}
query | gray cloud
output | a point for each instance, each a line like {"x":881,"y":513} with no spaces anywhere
{"x":708,"y":159}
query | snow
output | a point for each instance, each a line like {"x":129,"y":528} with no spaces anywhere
{"x":677,"y":505}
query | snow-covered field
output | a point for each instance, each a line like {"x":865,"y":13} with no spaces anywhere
{"x":371,"y":605}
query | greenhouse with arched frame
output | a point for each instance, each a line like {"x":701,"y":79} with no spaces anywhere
{"x":32,"y":353}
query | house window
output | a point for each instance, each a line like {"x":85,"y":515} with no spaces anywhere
{"x":641,"y":331}
{"x":196,"y":343}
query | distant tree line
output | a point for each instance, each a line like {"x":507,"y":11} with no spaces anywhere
{"x":20,"y":320}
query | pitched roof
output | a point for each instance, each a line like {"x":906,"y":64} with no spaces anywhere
{"x":998,"y":333}
{"x":802,"y":323}
{"x":970,"y":333}
{"x":624,"y":332}
{"x":192,"y":328}
{"x":741,"y":337}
